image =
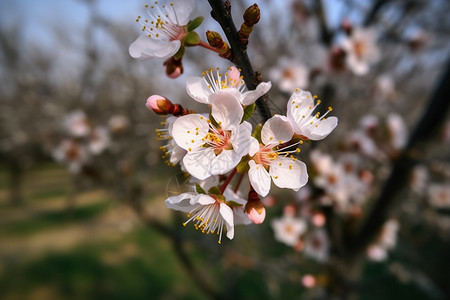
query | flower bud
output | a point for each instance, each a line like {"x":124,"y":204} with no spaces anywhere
{"x":337,"y":59}
{"x":252,"y":15}
{"x":159,"y":104}
{"x":347,"y":26}
{"x":215,"y":40}
{"x":174,"y":67}
{"x":255,"y":216}
{"x":254,"y":208}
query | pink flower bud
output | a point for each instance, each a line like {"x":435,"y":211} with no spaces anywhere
{"x":174,"y":67}
{"x":175,"y":73}
{"x":159,"y":104}
{"x":257,"y":217}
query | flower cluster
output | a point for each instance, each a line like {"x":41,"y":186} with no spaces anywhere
{"x":83,"y":142}
{"x":232,"y":162}
{"x":214,"y":147}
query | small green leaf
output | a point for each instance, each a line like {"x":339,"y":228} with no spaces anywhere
{"x":199,"y":189}
{"x":195,"y":23}
{"x":180,"y":53}
{"x":257,"y":132}
{"x":215,"y":190}
{"x":233,"y":204}
{"x":248,"y":111}
{"x":243,"y":167}
{"x":191,"y":39}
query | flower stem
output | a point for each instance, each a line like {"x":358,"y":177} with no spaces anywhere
{"x":227,"y":181}
{"x":206,"y":46}
{"x":236,"y":188}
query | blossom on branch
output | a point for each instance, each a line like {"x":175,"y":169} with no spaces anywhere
{"x":215,"y":146}
{"x":211,"y":213}
{"x":308,"y":123}
{"x":201,"y":88}
{"x":270,"y":161}
{"x":164,"y":31}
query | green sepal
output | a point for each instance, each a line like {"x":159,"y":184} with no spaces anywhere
{"x":213,"y":121}
{"x":215,"y":190}
{"x":257,"y":133}
{"x":242,"y":166}
{"x":180,"y":53}
{"x":195,"y":23}
{"x":199,"y":189}
{"x":191,"y":39}
{"x":248,"y":111}
{"x":231,"y":203}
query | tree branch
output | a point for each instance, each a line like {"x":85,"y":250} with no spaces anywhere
{"x":221,"y":12}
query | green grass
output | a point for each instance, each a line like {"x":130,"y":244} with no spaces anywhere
{"x":150,"y":273}
{"x":52,"y":219}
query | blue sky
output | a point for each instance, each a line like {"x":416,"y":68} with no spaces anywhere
{"x":36,"y":16}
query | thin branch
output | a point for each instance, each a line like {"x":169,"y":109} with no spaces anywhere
{"x":221,"y":12}
{"x":374,"y":11}
{"x":134,"y":199}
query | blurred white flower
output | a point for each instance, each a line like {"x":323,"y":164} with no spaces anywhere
{"x":419,"y":179}
{"x":72,"y":154}
{"x":386,"y":240}
{"x":317,"y":245}
{"x":385,"y":88}
{"x":118,"y":123}
{"x":99,"y":140}
{"x":361,"y":49}
{"x":397,"y":131}
{"x":201,"y":88}
{"x":164,"y":29}
{"x":439,"y":195}
{"x":77,"y":124}
{"x":290,"y":74}
{"x":288,"y":229}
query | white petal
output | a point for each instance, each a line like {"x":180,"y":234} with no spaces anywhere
{"x":287,"y":173}
{"x":188,"y":131}
{"x":227,"y":214}
{"x":197,"y":88}
{"x":224,"y":162}
{"x":250,"y":97}
{"x":254,"y":146}
{"x":198,"y":163}
{"x":181,"y":11}
{"x":180,"y":202}
{"x":259,"y":178}
{"x":177,"y":153}
{"x":145,"y":48}
{"x":323,"y":129}
{"x":226,"y":109}
{"x":299,"y":105}
{"x":241,"y":138}
{"x":277,"y":129}
{"x":204,"y":200}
